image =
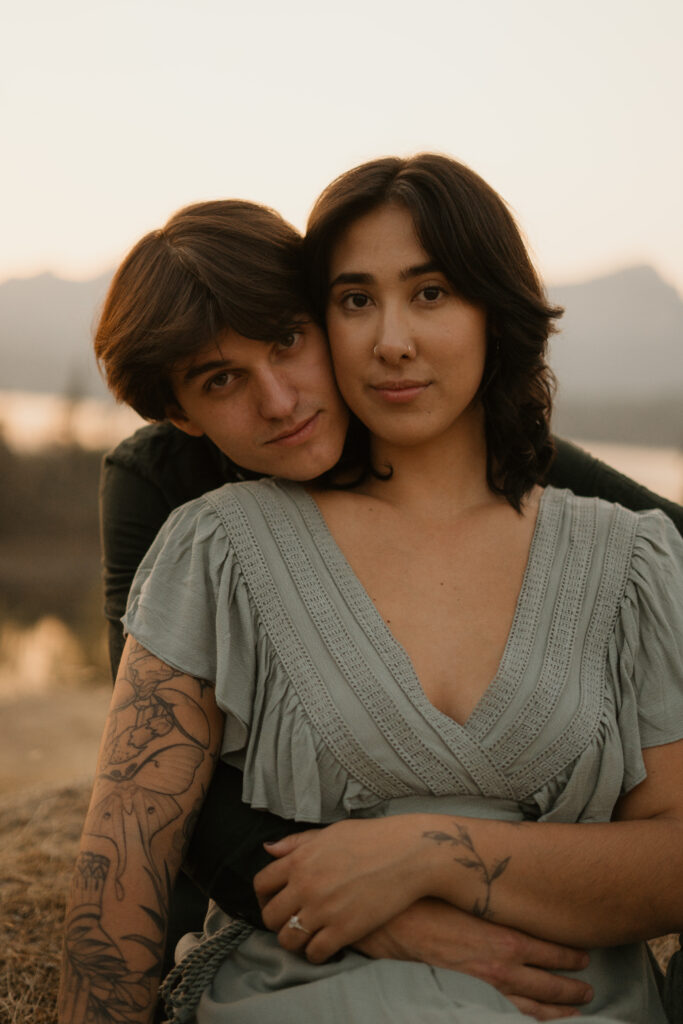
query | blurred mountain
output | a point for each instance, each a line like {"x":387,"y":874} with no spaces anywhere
{"x":45,"y":334}
{"x":621,"y":335}
{"x":619,"y":356}
{"x":619,"y":359}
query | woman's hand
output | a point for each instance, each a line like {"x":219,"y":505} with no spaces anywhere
{"x":341,"y":883}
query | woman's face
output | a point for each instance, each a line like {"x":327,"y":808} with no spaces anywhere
{"x":408,"y":352}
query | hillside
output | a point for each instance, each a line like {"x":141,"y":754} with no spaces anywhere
{"x":621,"y":337}
{"x":45,"y":334}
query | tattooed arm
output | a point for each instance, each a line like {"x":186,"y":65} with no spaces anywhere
{"x":156,"y":760}
{"x":586,"y":885}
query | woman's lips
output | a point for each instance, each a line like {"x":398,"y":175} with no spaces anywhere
{"x":296,"y":434}
{"x":400,"y":391}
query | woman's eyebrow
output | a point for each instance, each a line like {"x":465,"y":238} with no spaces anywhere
{"x":357,"y":277}
{"x":352,"y":277}
{"x":430,"y":267}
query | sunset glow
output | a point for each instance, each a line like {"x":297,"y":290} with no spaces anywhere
{"x":115,"y":115}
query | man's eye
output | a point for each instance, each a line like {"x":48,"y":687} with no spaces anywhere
{"x":290,"y":339}
{"x":219,"y":380}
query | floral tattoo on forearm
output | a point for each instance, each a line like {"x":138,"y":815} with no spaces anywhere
{"x":473,"y":861}
{"x":97,"y":984}
{"x":157,"y":738}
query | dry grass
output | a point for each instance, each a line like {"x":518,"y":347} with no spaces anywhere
{"x":40,"y":830}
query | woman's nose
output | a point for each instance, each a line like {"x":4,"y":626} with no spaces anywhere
{"x":394,"y":342}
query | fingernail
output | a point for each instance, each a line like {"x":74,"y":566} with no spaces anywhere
{"x":588,"y":996}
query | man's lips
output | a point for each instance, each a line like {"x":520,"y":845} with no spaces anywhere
{"x":400,"y":390}
{"x":296,"y":434}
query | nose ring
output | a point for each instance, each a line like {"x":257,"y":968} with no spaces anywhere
{"x":410,"y":351}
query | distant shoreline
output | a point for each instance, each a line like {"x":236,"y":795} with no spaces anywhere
{"x":30,"y":421}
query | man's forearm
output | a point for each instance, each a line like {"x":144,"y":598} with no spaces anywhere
{"x":104,"y":975}
{"x":156,"y":760}
{"x":520,"y":966}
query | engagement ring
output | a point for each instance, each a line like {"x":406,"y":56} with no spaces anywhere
{"x":295,"y":923}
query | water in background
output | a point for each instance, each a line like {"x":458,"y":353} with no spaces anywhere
{"x":29,"y":421}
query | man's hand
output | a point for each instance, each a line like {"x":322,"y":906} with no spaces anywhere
{"x":519,"y":966}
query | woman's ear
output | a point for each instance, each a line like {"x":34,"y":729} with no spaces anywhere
{"x":179,"y":419}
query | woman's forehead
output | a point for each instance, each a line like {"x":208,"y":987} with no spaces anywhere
{"x":383,"y":237}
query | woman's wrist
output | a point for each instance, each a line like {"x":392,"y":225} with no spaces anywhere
{"x":428,"y":863}
{"x":457,"y":867}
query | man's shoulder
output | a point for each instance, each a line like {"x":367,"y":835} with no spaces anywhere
{"x":141,"y":450}
{"x":181,"y":467}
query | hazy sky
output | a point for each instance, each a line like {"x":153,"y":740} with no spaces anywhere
{"x":117,"y":112}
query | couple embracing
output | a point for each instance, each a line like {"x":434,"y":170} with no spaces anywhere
{"x":440,"y":695}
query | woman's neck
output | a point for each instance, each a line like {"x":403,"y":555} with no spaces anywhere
{"x":443,"y":477}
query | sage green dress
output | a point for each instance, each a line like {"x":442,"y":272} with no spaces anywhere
{"x":246,"y":587}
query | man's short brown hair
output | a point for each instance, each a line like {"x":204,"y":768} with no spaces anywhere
{"x":215,"y":265}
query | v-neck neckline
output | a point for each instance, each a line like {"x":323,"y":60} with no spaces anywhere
{"x":502,"y":686}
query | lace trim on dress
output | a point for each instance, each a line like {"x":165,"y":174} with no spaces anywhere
{"x":542,"y":701}
{"x":303,"y":675}
{"x":465,"y":748}
{"x":580,"y":732}
{"x":437,"y":775}
{"x":532,"y":596}
{"x":498,"y":769}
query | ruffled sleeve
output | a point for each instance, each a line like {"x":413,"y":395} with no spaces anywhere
{"x":646,"y":652}
{"x":193,"y":606}
{"x":188,"y":607}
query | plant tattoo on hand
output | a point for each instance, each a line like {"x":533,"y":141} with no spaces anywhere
{"x":473,"y":861}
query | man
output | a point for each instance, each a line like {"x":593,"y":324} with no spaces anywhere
{"x":206,"y":331}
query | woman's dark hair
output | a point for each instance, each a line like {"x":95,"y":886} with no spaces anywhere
{"x":466,"y":228}
{"x":215,"y":265}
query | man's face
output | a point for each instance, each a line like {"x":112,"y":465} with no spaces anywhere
{"x":271,"y":407}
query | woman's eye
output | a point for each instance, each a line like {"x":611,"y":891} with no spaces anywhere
{"x":356,"y":300}
{"x":432,"y":292}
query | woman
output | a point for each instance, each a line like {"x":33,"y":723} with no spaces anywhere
{"x":343,"y":718}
